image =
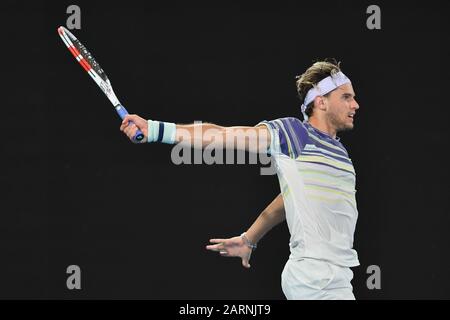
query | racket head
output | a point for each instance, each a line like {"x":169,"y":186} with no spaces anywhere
{"x":80,"y":52}
{"x":88,"y":62}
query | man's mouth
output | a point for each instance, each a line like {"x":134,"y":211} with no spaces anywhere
{"x":351,"y":115}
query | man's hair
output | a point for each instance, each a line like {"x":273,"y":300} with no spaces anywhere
{"x":313,"y":75}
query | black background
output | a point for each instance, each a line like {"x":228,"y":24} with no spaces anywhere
{"x":76,"y":191}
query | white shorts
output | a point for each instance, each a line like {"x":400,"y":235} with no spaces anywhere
{"x":311,"y":279}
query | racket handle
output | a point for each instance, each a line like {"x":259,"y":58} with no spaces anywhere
{"x":122,"y":113}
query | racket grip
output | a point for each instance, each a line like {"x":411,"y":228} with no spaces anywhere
{"x":122,"y":113}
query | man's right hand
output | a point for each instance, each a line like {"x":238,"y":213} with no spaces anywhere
{"x":232,"y":247}
{"x":130,"y":130}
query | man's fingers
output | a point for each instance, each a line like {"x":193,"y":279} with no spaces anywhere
{"x":130,"y":130}
{"x":129,"y":117}
{"x":246,"y":260}
{"x":220,"y":244}
{"x":218,"y":247}
{"x":126,"y":121}
{"x":125,"y":124}
{"x":216,"y":240}
{"x":214,"y":247}
{"x":245,"y":263}
{"x":132,"y":127}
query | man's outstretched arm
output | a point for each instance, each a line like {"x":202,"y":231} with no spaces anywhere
{"x":242,"y":246}
{"x":200,"y":135}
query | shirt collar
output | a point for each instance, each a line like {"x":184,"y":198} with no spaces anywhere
{"x":321,"y":133}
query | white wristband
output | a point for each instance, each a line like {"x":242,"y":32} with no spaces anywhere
{"x":161,"y":131}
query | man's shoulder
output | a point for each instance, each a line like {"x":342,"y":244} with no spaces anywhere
{"x":292,"y":134}
{"x":292,"y":120}
{"x":288,"y":122}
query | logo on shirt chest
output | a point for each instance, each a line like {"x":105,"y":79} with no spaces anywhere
{"x":311,"y":147}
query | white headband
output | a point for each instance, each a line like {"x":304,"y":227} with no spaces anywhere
{"x":323,"y":87}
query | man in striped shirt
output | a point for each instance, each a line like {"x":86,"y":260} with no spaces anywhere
{"x":317,"y":182}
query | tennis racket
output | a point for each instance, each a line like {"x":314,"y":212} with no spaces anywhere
{"x":92,"y":67}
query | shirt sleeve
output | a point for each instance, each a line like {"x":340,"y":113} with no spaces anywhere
{"x":274,"y":147}
{"x":288,"y":136}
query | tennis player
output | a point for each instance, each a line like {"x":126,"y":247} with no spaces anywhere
{"x":317,"y":181}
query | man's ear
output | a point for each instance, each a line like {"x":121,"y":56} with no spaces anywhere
{"x":320,"y":103}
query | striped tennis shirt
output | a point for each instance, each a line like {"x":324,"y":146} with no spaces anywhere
{"x":317,"y":181}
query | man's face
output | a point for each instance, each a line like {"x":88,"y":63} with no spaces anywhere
{"x":341,"y":107}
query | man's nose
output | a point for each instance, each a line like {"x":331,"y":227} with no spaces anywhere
{"x":356,"y":105}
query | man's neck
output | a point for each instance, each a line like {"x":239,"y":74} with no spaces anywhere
{"x":323,"y":126}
